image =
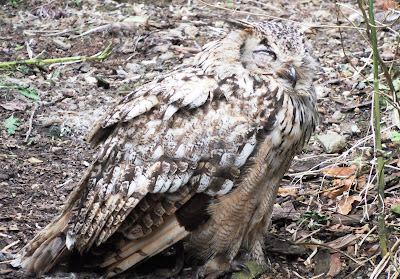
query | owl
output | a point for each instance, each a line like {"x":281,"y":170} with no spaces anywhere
{"x":196,"y":155}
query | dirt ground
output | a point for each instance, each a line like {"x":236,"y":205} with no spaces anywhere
{"x":42,"y":160}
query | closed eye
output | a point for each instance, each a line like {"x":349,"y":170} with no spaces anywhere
{"x":266,"y":51}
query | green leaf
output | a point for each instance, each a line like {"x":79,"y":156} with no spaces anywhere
{"x":255,"y":270}
{"x":30,"y":93}
{"x":11,"y":124}
{"x":23,"y":68}
{"x":396,"y":208}
{"x":396,"y":137}
{"x":316,"y":216}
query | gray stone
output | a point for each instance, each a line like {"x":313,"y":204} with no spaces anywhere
{"x":134,"y":67}
{"x":337,"y":115}
{"x":332,"y":142}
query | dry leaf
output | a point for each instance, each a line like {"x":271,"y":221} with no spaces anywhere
{"x":13,"y":106}
{"x":339,"y":228}
{"x":345,"y":204}
{"x":344,"y":185}
{"x":343,"y":241}
{"x":387,"y":4}
{"x":283,"y":192}
{"x":34,"y":160}
{"x":363,"y":229}
{"x":361,"y":182}
{"x":340,"y":172}
{"x":335,"y":266}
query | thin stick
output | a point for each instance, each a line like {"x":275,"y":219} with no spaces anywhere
{"x":4,"y":250}
{"x":30,"y":123}
{"x":277,"y":17}
{"x":34,"y":61}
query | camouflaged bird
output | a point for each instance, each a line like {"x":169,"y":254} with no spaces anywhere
{"x":196,"y":154}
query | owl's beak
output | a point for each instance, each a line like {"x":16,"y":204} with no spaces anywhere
{"x":293,"y":75}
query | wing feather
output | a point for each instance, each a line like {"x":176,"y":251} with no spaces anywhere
{"x":165,"y":139}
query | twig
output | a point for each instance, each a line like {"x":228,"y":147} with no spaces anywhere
{"x":34,"y":61}
{"x":329,"y":247}
{"x":371,"y":33}
{"x":277,"y":17}
{"x":4,"y":250}
{"x":378,"y":269}
{"x":30,"y":123}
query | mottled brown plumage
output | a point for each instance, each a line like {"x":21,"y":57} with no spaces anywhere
{"x":197,"y":153}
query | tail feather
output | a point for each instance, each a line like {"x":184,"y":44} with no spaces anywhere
{"x":43,"y":251}
{"x":46,"y":255}
{"x":139,"y":249}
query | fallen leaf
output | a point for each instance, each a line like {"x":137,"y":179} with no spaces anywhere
{"x":34,"y":160}
{"x":340,"y":172}
{"x":344,"y":186}
{"x":361,"y":182}
{"x":363,"y":229}
{"x":322,"y":262}
{"x":396,"y":208}
{"x":13,"y":106}
{"x":255,"y":270}
{"x":343,"y":241}
{"x":339,"y":228}
{"x":335,"y":266}
{"x":387,"y":4}
{"x":283,"y":192}
{"x":345,"y":204}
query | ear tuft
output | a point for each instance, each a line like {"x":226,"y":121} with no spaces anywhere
{"x":241,"y":24}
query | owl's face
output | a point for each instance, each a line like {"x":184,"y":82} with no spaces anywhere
{"x":280,"y":51}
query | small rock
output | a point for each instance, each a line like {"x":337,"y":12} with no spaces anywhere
{"x":321,"y":110}
{"x":35,"y":186}
{"x":350,"y":128}
{"x":148,"y":62}
{"x":354,"y":129}
{"x":91,"y":80}
{"x":166,"y":56}
{"x":332,"y":142}
{"x":121,"y":73}
{"x":69,"y":92}
{"x":134,"y":67}
{"x":321,"y":91}
{"x":219,"y":24}
{"x":151,"y":75}
{"x":337,"y":115}
{"x":346,"y":94}
{"x":191,"y":31}
{"x":361,"y":85}
{"x":61,"y":45}
{"x":84,"y":68}
{"x":57,"y":150}
{"x":137,"y":20}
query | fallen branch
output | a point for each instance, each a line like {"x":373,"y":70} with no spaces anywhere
{"x":36,"y":61}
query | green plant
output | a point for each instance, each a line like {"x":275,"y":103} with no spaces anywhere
{"x":11,"y":124}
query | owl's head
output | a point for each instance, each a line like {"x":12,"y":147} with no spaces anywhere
{"x":262,"y":48}
{"x":279,"y":50}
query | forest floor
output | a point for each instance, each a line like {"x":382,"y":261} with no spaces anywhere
{"x":328,"y":197}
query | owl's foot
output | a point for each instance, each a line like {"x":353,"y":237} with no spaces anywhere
{"x":220,"y":266}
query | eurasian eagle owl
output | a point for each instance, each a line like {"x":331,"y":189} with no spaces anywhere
{"x":196,"y":154}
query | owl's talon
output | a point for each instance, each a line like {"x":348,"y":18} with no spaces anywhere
{"x":238,"y":266}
